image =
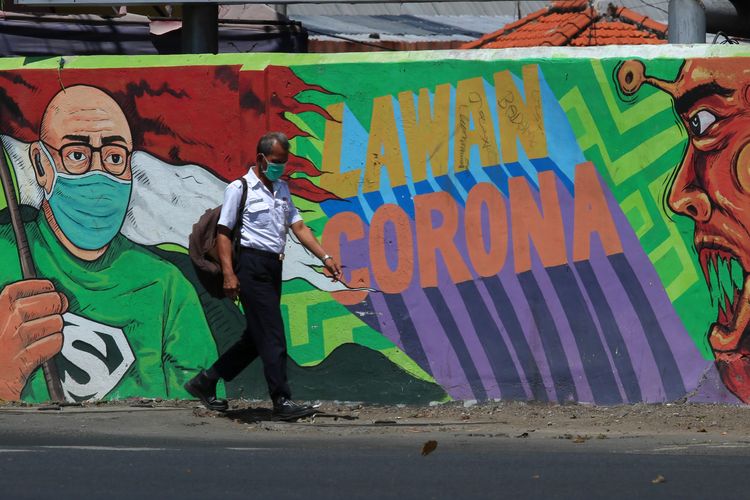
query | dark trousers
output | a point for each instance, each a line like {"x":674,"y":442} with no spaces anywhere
{"x":260,"y":294}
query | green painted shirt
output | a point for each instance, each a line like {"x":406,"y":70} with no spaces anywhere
{"x":128,"y":289}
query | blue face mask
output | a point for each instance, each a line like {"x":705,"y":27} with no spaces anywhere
{"x":89,"y":208}
{"x":274,"y":171}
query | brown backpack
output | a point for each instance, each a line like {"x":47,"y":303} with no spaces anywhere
{"x":202,"y":246}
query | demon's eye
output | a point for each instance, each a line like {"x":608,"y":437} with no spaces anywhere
{"x":700,"y":122}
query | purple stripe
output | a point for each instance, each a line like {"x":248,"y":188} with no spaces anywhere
{"x":644,"y":363}
{"x":553,"y":303}
{"x":482,"y":364}
{"x":509,"y":279}
{"x":596,"y":257}
{"x":437,"y":347}
{"x":387,"y":326}
{"x":461,"y":316}
{"x":504,"y":334}
{"x":566,"y":334}
{"x":443,"y":362}
{"x":689,"y":360}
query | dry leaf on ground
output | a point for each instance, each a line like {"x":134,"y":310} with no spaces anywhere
{"x":428,"y":447}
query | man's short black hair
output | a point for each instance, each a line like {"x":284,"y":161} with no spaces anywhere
{"x":265,"y":144}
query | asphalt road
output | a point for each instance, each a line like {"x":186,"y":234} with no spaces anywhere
{"x":57,"y":466}
{"x":62,"y":461}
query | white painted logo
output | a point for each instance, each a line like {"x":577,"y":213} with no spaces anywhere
{"x":95,"y":358}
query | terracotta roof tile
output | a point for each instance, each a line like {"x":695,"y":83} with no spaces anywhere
{"x":574,"y":22}
{"x":570,"y":4}
{"x":481,"y":42}
{"x":581,"y":21}
{"x":570,"y":30}
{"x":655,"y":26}
{"x":613,"y":32}
{"x":630,"y":15}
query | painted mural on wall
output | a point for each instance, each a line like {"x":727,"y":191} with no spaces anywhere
{"x":710,"y":186}
{"x":510,"y":229}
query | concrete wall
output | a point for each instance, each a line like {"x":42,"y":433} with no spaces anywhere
{"x":539,"y":225}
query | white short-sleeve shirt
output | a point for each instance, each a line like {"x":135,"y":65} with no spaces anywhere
{"x":266,"y":217}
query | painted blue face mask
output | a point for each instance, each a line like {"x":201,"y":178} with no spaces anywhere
{"x":89,"y":208}
{"x":274,"y":171}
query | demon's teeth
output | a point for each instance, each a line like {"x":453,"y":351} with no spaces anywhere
{"x":738,"y":274}
{"x":712,"y":267}
{"x":722,"y":316}
{"x":714,"y":282}
{"x":715,"y":262}
{"x":725,"y":278}
{"x":703,"y":260}
{"x":722,"y":280}
{"x":725,"y":275}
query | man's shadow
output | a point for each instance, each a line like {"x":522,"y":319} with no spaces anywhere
{"x":259,"y":414}
{"x":250,"y":415}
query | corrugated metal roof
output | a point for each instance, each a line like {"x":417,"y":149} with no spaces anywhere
{"x":443,"y":27}
{"x":438,"y":21}
{"x":48,"y":35}
{"x":655,"y":9}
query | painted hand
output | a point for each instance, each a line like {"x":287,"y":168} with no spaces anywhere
{"x":31,"y":327}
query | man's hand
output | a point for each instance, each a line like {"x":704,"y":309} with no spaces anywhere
{"x":309,"y":241}
{"x":231,"y":285}
{"x":31,"y":327}
{"x":333,"y":268}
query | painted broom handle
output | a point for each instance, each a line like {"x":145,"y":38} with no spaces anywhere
{"x":27,"y":266}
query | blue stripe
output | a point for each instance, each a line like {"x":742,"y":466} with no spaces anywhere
{"x":674,"y":388}
{"x":506,"y":312}
{"x":466,"y":179}
{"x":409,"y":339}
{"x":562,"y":378}
{"x":612,"y":334}
{"x":499,"y":177}
{"x":457,"y":342}
{"x":492,"y":341}
{"x":596,"y":364}
{"x":374,"y":199}
{"x":423,"y":187}
{"x":404,"y":199}
{"x":546,"y":164}
{"x":333,"y":207}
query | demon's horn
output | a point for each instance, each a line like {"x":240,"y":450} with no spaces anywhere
{"x":632,"y":75}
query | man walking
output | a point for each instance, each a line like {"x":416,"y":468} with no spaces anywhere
{"x":268,"y":213}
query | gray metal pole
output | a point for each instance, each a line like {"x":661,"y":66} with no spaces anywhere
{"x":687,"y":21}
{"x":200,"y":28}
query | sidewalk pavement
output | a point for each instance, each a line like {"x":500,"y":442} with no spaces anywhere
{"x":513,"y":420}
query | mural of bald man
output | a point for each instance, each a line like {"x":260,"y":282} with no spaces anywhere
{"x":711,"y":186}
{"x":125,"y":322}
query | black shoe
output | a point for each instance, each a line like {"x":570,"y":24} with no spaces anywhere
{"x":204,"y":389}
{"x":286,"y":409}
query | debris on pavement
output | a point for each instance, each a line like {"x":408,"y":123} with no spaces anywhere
{"x":429,"y":447}
{"x":513,"y":419}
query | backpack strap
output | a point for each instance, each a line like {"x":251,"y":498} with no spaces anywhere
{"x":237,"y":233}
{"x":243,"y":200}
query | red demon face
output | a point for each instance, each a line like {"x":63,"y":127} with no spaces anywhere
{"x":712,"y":186}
